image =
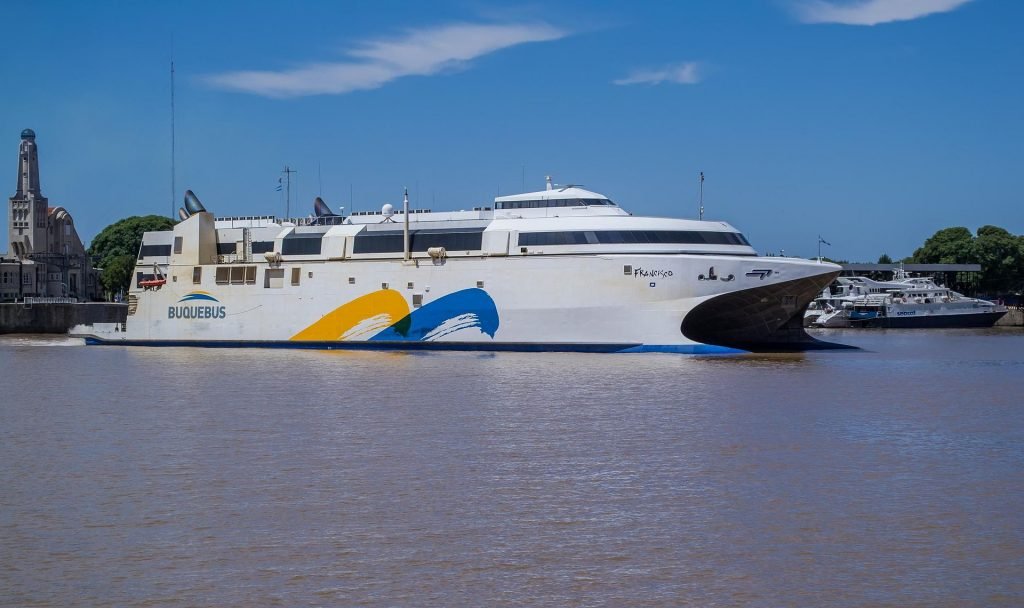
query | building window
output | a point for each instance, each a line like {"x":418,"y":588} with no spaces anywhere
{"x":177,"y":244}
{"x":197,"y":275}
{"x":296,"y":275}
{"x":223,"y":275}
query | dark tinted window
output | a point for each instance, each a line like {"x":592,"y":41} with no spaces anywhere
{"x":385,"y":242}
{"x":454,"y":241}
{"x":262,"y":246}
{"x":225,"y":248}
{"x":305,"y":244}
{"x":147,"y":251}
{"x":470,"y":239}
{"x":621,"y":237}
{"x":540,"y":239}
{"x":554,"y":202}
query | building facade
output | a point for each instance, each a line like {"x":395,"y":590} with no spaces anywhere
{"x":46,"y":258}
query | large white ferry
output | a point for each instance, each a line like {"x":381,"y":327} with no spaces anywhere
{"x":562,"y":269}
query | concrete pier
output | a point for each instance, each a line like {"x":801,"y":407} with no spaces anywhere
{"x":50,"y":318}
{"x":1013,"y":318}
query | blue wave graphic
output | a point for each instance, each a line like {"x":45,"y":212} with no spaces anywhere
{"x":198,"y":296}
{"x":451,"y":313}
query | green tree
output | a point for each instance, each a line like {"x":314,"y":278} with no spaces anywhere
{"x":884,"y":259}
{"x":1001,"y":256}
{"x":115,"y":248}
{"x":117,"y":273}
{"x":947,"y":246}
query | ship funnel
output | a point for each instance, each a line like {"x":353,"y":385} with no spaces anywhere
{"x":321,"y":209}
{"x":192,"y":204}
{"x":182,"y":214}
{"x":547,"y":179}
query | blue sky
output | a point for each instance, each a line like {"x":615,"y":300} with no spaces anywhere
{"x":871,"y":122}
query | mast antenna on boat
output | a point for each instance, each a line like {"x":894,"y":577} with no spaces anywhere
{"x":174,"y":196}
{"x":820,"y":241}
{"x":700,"y":214}
{"x":288,"y":190}
{"x":405,"y":228}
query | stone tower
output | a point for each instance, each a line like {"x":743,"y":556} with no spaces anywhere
{"x":26,"y":213}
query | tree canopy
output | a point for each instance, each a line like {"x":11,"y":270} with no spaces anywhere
{"x":1000,"y":254}
{"x":115,"y":248}
{"x":947,"y":246}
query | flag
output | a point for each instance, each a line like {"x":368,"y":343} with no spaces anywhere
{"x":821,"y":240}
{"x":278,"y":189}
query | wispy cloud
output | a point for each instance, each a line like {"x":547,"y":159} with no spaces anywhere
{"x":374,"y":63}
{"x":870,"y":12}
{"x":687,"y":72}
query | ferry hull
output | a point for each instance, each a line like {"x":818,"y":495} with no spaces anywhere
{"x":981,"y":319}
{"x":690,"y":349}
{"x":608,"y":303}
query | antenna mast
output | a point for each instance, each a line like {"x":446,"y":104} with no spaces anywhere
{"x":701,"y":214}
{"x":174,"y":195}
{"x":288,"y":190}
{"x":405,"y":227}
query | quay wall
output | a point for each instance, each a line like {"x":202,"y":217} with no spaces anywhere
{"x":1013,"y":318}
{"x":57,"y":318}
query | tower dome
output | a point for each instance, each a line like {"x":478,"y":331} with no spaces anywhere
{"x":28,"y":134}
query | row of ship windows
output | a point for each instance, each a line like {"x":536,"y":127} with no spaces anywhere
{"x":393,"y":242}
{"x":631,"y":237}
{"x":246,"y":275}
{"x":555,"y":202}
{"x":149,"y":251}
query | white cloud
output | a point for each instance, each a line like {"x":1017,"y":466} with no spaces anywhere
{"x":687,"y":72}
{"x":870,"y":12}
{"x":375,"y":63}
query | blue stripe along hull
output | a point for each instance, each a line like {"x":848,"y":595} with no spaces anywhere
{"x":688,"y":349}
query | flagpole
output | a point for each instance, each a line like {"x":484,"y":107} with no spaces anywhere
{"x":701,"y":213}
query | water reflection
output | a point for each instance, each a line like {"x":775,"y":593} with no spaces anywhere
{"x":889,"y":475}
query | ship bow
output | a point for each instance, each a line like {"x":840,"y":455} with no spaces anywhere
{"x":766,"y":318}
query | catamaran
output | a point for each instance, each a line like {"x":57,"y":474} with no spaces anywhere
{"x":560,"y":269}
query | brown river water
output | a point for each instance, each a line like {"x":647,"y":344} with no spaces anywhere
{"x":887,"y":476}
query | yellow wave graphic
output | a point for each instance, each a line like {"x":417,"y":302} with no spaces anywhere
{"x":385,"y":307}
